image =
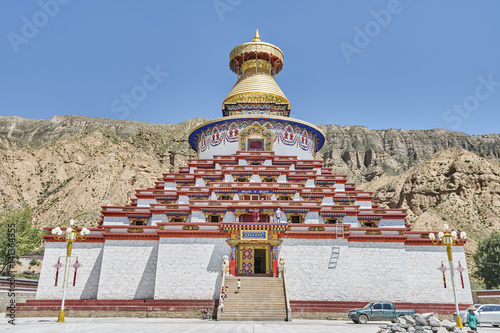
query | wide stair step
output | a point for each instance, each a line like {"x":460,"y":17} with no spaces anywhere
{"x":260,"y":298}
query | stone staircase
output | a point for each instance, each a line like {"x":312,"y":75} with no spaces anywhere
{"x":260,"y":298}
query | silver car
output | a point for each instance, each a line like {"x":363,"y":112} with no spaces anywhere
{"x":486,"y":313}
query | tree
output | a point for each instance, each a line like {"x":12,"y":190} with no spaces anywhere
{"x":17,"y":237}
{"x":487,"y":260}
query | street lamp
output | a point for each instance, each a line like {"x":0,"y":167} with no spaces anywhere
{"x":449,"y":239}
{"x":69,"y":235}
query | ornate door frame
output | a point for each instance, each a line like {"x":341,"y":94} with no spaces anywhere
{"x":246,"y":255}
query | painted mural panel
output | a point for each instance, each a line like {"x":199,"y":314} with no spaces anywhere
{"x":284,"y":133}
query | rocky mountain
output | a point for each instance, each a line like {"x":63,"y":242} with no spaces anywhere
{"x":19,"y":132}
{"x":68,"y":166}
{"x":454,"y":186}
{"x":367,"y":154}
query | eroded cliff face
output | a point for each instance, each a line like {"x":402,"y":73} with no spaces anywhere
{"x":367,"y":154}
{"x":454,"y":186}
{"x":68,"y":166}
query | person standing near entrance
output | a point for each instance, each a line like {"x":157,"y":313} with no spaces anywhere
{"x":255,"y":215}
{"x":277,"y":216}
{"x":238,"y":286}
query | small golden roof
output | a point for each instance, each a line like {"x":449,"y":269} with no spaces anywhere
{"x":241,"y":52}
{"x":256,"y":38}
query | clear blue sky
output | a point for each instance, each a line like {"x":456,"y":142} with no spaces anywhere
{"x":431,"y":64}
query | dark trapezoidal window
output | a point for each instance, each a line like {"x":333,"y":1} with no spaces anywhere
{"x":255,"y":144}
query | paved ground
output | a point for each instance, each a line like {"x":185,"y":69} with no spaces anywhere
{"x":133,"y":325}
{"x":129,"y":325}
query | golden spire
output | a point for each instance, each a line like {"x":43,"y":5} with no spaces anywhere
{"x":256,"y":63}
{"x":256,"y":38}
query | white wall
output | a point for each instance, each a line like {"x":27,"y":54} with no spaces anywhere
{"x":87,"y":278}
{"x":155,"y":218}
{"x":229,"y":217}
{"x":368,"y":272}
{"x":190,"y":268}
{"x":339,"y":187}
{"x":229,"y":148}
{"x":145,"y":202}
{"x":363,"y":204}
{"x":116,"y":220}
{"x":128,"y":269}
{"x":282,"y":149}
{"x":255,"y":179}
{"x":426,"y":283}
{"x":183,"y":199}
{"x":170,"y":186}
{"x":281,"y":179}
{"x":352,"y":220}
{"x":327,"y":201}
{"x":312,"y":217}
{"x":197,"y":216}
{"x":377,"y":271}
{"x":386,"y":223}
{"x":308,"y":277}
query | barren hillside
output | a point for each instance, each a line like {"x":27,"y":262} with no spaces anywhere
{"x":454,"y":186}
{"x":68,"y":168}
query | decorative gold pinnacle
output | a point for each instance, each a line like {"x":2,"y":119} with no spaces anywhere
{"x":256,"y":38}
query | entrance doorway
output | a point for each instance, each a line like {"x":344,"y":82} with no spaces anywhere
{"x":253,"y":259}
{"x":259,"y":261}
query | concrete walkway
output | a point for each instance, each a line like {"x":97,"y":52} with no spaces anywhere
{"x":133,"y":325}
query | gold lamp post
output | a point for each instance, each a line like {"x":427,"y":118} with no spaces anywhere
{"x":69,"y":235}
{"x":449,"y":239}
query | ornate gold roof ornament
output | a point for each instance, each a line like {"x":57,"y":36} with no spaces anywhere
{"x":256,"y":38}
{"x":256,"y":92}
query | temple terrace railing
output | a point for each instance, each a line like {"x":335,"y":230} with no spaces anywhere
{"x":225,"y":270}
{"x":287,"y":300}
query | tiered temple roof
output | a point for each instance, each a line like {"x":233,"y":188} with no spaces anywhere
{"x":228,"y":189}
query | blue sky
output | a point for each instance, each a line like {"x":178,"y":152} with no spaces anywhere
{"x":380,"y":64}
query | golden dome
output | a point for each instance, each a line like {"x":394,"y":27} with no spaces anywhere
{"x":256,"y":62}
{"x":256,"y":88}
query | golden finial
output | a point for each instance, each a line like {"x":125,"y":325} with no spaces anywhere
{"x":256,"y":38}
